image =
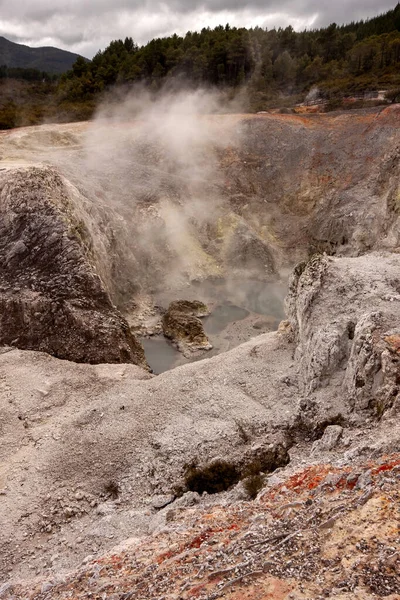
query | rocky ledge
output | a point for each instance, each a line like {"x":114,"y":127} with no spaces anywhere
{"x":52,"y":298}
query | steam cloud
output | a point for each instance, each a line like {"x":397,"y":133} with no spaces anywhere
{"x":149,"y":185}
{"x":154,"y":164}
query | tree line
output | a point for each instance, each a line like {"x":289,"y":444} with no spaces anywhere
{"x":338,"y":59}
{"x":28,"y":74}
{"x":276,"y":67}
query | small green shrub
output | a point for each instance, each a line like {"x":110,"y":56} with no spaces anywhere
{"x":112,"y":489}
{"x":253,"y":485}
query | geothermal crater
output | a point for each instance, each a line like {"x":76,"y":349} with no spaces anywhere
{"x":136,"y":242}
{"x":104,"y":223}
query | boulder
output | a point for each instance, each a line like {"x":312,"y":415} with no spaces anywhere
{"x":184,"y":328}
{"x":52,"y":298}
{"x":195,"y":308}
{"x":329,"y":440}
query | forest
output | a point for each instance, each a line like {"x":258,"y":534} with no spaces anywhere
{"x":276,"y":67}
{"x":276,"y":63}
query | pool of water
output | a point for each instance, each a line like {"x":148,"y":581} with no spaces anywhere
{"x":160,"y":353}
{"x":233,"y":301}
{"x":221,"y":316}
{"x":163,"y":356}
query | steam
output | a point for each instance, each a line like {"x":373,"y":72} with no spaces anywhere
{"x":147,"y":180}
{"x":154,"y":162}
{"x":313,"y":94}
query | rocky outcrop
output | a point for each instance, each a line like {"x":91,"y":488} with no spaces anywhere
{"x":194,"y":308}
{"x":182,"y":326}
{"x":51,"y":296}
{"x":345,"y":315}
{"x":245,"y":253}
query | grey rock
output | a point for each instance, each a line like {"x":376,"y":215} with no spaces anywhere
{"x":158,"y":502}
{"x":188,"y":499}
{"x":47,"y":586}
{"x":331,"y":480}
{"x":352,"y":478}
{"x":106,"y":508}
{"x":364,"y":481}
{"x":367,"y":495}
{"x":275,"y":479}
{"x":237,"y":494}
{"x":329,"y":440}
{"x":52,"y":297}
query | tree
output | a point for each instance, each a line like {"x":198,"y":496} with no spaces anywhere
{"x":80,"y":67}
{"x":284,"y":68}
{"x":360,"y":55}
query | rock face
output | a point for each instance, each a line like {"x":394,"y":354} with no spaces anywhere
{"x":194,"y":308}
{"x":182,"y":325}
{"x":246,"y":252}
{"x":305,"y":177}
{"x":346,"y":331}
{"x":51,"y":297}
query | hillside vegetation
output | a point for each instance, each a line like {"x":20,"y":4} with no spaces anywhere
{"x":276,"y":67}
{"x":275,"y":63}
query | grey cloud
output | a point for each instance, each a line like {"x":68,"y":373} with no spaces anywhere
{"x":85,"y":26}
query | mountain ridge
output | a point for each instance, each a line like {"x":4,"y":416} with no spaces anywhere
{"x":45,"y":58}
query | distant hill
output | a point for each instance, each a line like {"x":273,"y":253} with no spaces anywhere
{"x":49,"y":59}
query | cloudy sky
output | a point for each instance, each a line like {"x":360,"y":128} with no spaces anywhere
{"x":85,"y":26}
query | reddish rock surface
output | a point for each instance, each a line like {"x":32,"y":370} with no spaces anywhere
{"x":321,"y":533}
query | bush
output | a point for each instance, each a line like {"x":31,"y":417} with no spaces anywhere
{"x":334,"y":104}
{"x":253,"y":485}
{"x":112,"y":489}
{"x":393,"y":95}
{"x":8,"y":116}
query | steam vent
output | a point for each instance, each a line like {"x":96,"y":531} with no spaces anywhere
{"x":200,"y":355}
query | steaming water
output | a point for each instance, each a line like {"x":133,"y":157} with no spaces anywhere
{"x":222,"y":316}
{"x":160,"y":353}
{"x":163,"y":356}
{"x":237,"y":316}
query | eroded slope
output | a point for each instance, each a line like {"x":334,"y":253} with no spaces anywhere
{"x":69,"y":430}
